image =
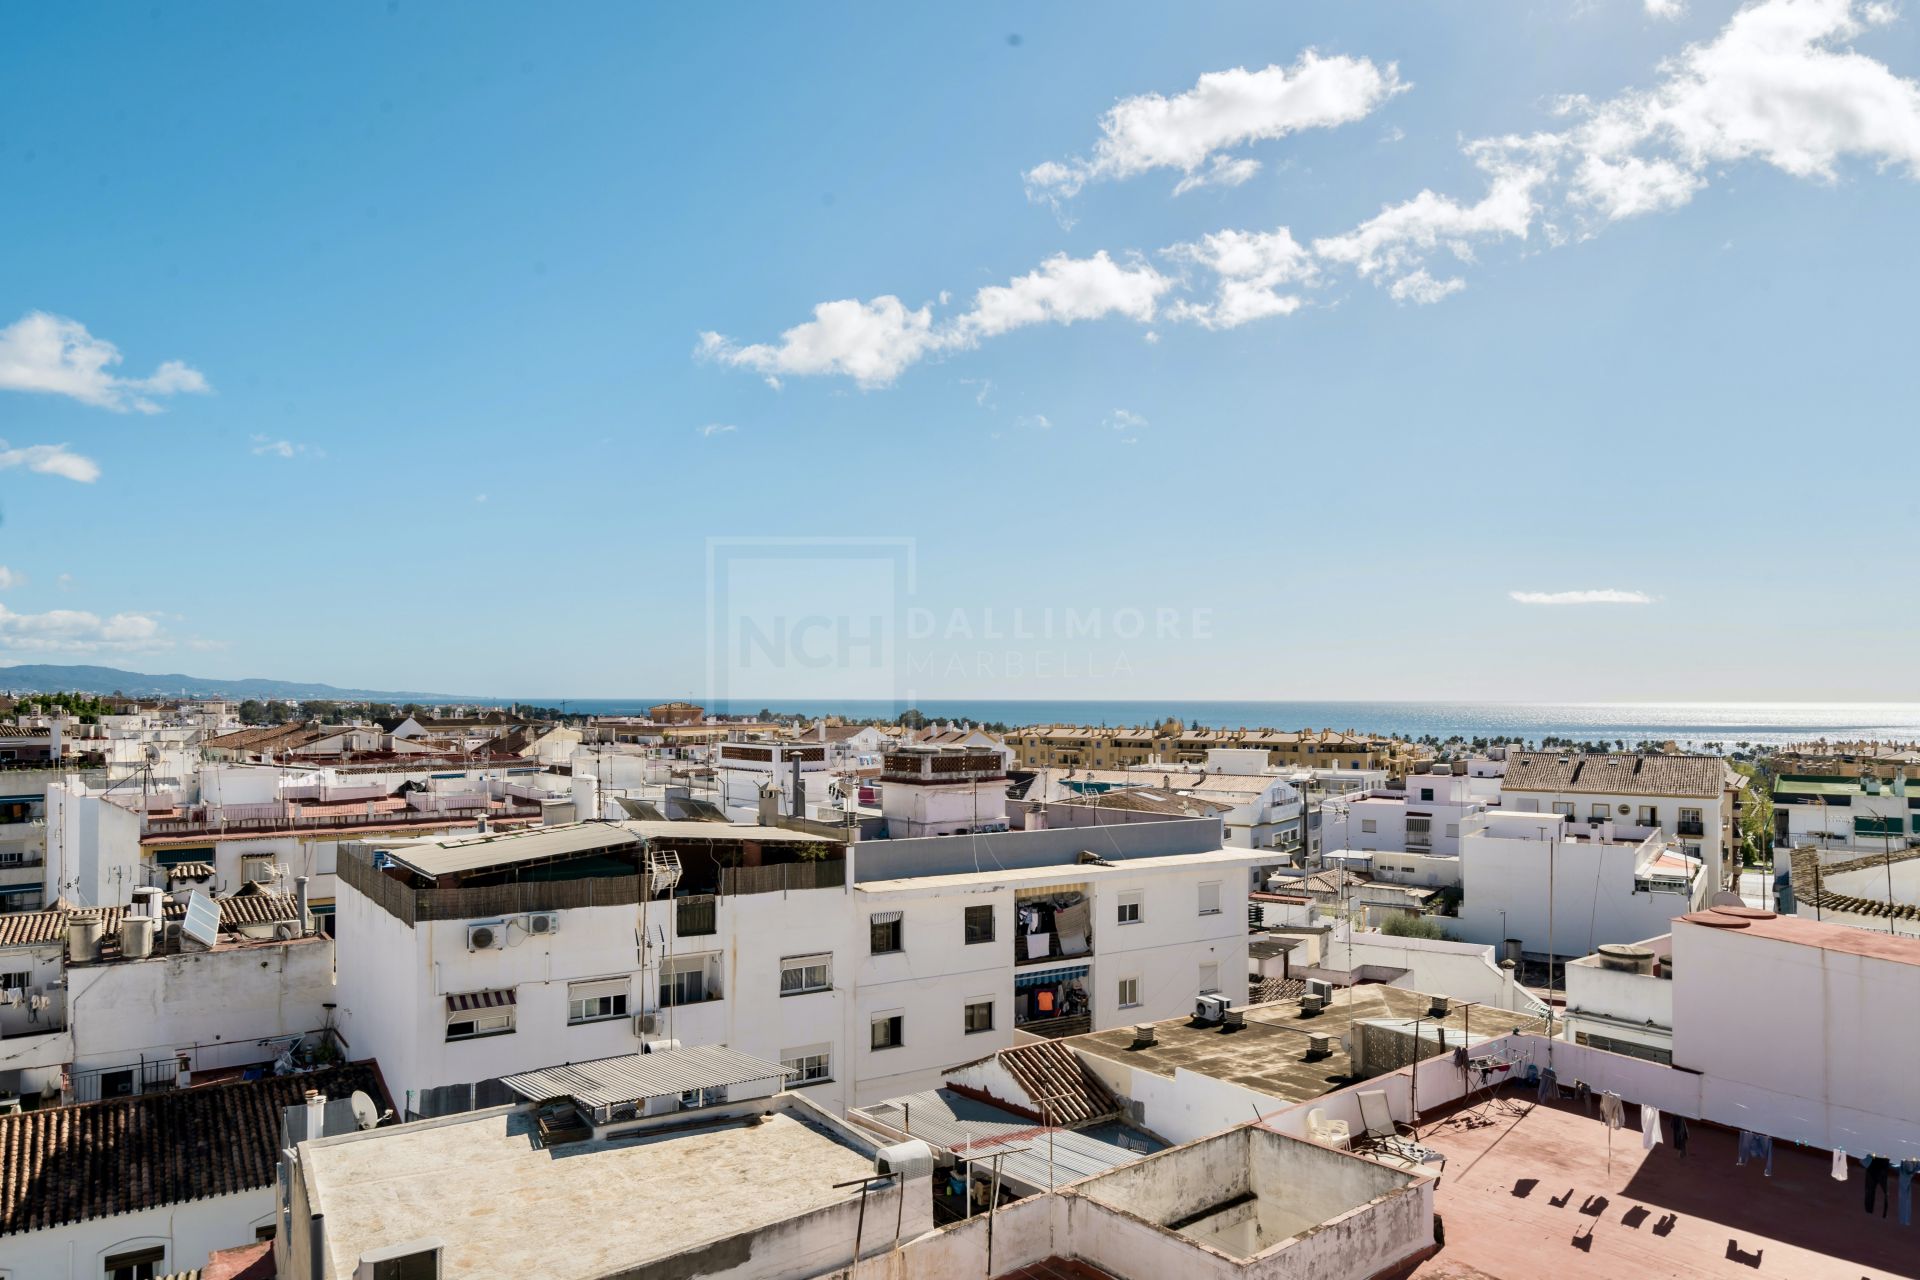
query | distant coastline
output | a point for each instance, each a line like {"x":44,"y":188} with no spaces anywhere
{"x":1688,"y":724}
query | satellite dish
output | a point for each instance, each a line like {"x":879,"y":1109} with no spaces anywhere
{"x":365,"y":1114}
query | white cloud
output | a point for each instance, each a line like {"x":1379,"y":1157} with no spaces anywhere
{"x":50,"y":460}
{"x":1668,"y":9}
{"x":713,"y":429}
{"x":870,"y":342}
{"x":57,"y":356}
{"x":77,"y":631}
{"x":1396,"y":239}
{"x":1122,"y":420}
{"x":1779,"y":83}
{"x":1580,"y":597}
{"x":1424,"y":289}
{"x":1224,"y":171}
{"x":1224,"y":109}
{"x":480,"y":498}
{"x":1037,"y":421}
{"x":1062,"y":290}
{"x":10,"y":578}
{"x":267,"y":447}
{"x":1251,"y":267}
{"x":875,"y":342}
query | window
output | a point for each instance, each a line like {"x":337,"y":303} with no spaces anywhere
{"x":1598,"y":812}
{"x":1369,"y":826}
{"x":15,"y":981}
{"x":979,"y":1016}
{"x":885,"y":935}
{"x":1563,"y":806}
{"x":1426,"y":793}
{"x":812,"y":1064}
{"x":1129,"y":993}
{"x":1649,"y":816}
{"x":596,"y":1001}
{"x":888,"y":1031}
{"x":1129,"y":910}
{"x":802,"y":974}
{"x":1210,"y":899}
{"x":12,"y":857}
{"x":135,"y":1264}
{"x":473,"y":1025}
{"x":686,"y":982}
{"x":1691,"y":825}
{"x":979,"y":925}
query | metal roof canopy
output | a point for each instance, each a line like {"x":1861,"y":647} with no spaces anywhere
{"x":634,"y":1077}
{"x":500,"y":849}
{"x":722,"y":831}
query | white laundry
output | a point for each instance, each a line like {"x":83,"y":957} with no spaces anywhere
{"x":1839,"y":1165}
{"x":1649,"y":1126}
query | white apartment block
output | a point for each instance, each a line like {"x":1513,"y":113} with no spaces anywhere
{"x":866,"y":969}
{"x":1862,"y":814}
{"x":1689,"y":799}
{"x":1563,"y":889}
{"x":1421,"y":817}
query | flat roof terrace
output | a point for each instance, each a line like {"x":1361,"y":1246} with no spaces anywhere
{"x":1535,"y":1193}
{"x":504,"y":1206}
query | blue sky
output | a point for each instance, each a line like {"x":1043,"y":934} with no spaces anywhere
{"x":412,"y":389}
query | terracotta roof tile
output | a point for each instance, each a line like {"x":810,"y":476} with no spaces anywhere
{"x":1636,"y":775}
{"x":73,"y":1164}
{"x":1053,"y":1072}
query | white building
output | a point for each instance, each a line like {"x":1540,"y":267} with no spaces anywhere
{"x":1563,"y":890}
{"x":1689,"y":799}
{"x":1422,"y":817}
{"x":1858,"y":814}
{"x":867,"y":969}
{"x":942,"y":791}
{"x":161,"y":1211}
{"x":743,"y":771}
{"x":1259,"y":807}
{"x":1621,"y":999}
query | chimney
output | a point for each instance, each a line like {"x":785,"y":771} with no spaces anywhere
{"x":316,"y":1114}
{"x":798,"y":800}
{"x":300,"y":898}
{"x":1036,"y":816}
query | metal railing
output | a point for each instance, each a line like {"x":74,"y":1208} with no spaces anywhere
{"x":203,"y":826}
{"x":696,"y":915}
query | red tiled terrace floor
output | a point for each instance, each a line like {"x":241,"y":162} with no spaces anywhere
{"x":1530,"y":1195}
{"x":1056,"y":1269}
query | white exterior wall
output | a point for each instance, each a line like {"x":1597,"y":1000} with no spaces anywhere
{"x":1506,"y":881}
{"x":226,"y":1000}
{"x":914,"y":810}
{"x":1465,"y":971}
{"x":189,"y":1231}
{"x":1824,"y":1058}
{"x":93,"y":848}
{"x":32,"y":1054}
{"x":1708,"y":846}
{"x":1618,"y":1004}
{"x":394,"y":979}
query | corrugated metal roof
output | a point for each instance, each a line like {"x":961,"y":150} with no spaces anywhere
{"x":977,"y":1130}
{"x":719,"y":831}
{"x":498,"y":849}
{"x":632,"y":1077}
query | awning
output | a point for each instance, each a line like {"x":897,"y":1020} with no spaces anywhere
{"x":597,"y":989}
{"x":1048,"y":977}
{"x":885,"y":917}
{"x":469,"y":1000}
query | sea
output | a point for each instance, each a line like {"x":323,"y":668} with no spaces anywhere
{"x":1691,"y":725}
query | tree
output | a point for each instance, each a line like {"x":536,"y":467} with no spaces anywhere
{"x":913,"y":718}
{"x":1402,"y":925}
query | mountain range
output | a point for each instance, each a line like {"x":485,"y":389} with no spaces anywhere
{"x":50,"y":678}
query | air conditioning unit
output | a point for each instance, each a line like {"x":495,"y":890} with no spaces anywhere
{"x":1320,"y":987}
{"x":543,"y":922}
{"x":486,"y":937}
{"x":643,"y":1024}
{"x":1209,"y":1008}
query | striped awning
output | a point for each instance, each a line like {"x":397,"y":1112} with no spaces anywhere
{"x":467,"y":1000}
{"x":885,"y":917}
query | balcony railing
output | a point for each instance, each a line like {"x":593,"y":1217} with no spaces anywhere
{"x":1690,"y":828}
{"x":204,"y":825}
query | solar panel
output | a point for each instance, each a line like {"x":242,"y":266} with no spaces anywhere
{"x":203,"y":919}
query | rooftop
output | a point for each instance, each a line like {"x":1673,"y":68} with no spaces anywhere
{"x":1704,"y":777}
{"x":72,"y":1164}
{"x":633,"y":1077}
{"x":1269,"y":1054}
{"x":1541,"y":1192}
{"x":1749,"y":923}
{"x":1034,"y":1155}
{"x":435,"y":858}
{"x":620,"y":1202}
{"x":1072,"y":871}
